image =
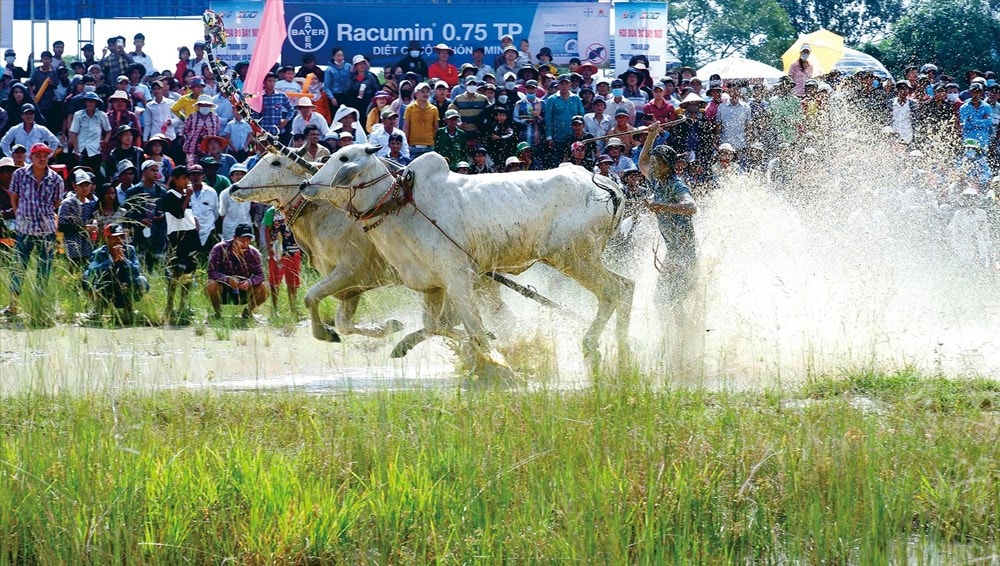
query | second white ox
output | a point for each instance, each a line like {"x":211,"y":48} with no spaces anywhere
{"x":452,"y":228}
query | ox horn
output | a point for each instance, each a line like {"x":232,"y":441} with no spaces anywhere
{"x":372,"y":149}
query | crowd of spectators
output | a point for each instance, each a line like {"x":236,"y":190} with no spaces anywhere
{"x":120,"y":127}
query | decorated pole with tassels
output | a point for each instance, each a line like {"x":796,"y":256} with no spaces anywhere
{"x":215,"y":37}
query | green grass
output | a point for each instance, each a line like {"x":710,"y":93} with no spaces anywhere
{"x":63,"y":301}
{"x":621,"y":472}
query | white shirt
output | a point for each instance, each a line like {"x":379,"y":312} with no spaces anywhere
{"x":317,"y":119}
{"x":233,"y":214}
{"x":146,"y":61}
{"x":38,"y":134}
{"x":156,"y":116}
{"x":184,"y":223}
{"x":734,"y":118}
{"x":380,"y":137}
{"x":598,"y":128}
{"x":89,"y":129}
{"x":902,"y":120}
{"x":288,"y":86}
{"x":205,"y":205}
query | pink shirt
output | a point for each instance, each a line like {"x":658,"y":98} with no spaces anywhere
{"x":800,"y":76}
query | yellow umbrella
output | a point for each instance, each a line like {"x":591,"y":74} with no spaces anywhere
{"x":825,"y":49}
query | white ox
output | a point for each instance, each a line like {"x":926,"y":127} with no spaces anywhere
{"x":349,"y":268}
{"x":457,"y":227}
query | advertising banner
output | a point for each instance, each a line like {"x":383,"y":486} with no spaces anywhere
{"x":382,"y":31}
{"x":641,"y":29}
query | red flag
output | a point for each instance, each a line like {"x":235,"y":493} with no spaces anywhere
{"x":267,"y":51}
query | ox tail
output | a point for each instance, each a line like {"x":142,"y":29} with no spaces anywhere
{"x":615,"y":193}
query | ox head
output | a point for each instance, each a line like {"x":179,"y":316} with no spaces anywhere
{"x":350,"y":167}
{"x":274,"y":178}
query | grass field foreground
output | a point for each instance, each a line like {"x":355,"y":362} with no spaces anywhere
{"x":844,"y":470}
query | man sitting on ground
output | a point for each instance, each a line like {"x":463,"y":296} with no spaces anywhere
{"x":113,"y":278}
{"x":235,"y":274}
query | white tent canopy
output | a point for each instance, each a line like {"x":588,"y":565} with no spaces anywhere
{"x":737,"y":67}
{"x":854,"y":61}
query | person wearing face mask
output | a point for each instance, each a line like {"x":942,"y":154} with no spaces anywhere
{"x":204,"y":122}
{"x":470,"y":106}
{"x":801,"y":70}
{"x":17,"y":73}
{"x":617,"y":100}
{"x":413,"y":62}
{"x":529,"y":115}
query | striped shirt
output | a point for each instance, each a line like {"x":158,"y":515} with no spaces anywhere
{"x":37,"y":201}
{"x":197,"y":126}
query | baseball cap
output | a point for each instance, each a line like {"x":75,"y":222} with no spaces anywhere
{"x":621,"y":112}
{"x":197,"y":81}
{"x":40,"y":148}
{"x":243,"y":230}
{"x":577,"y":119}
{"x":80,"y":177}
{"x":440,"y":84}
{"x":452,"y":113}
{"x":358,"y":59}
{"x":28,"y":107}
{"x":114,"y":230}
{"x":149,"y":163}
{"x":462,"y":165}
{"x":388,"y":113}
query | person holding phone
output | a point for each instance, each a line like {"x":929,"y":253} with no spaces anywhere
{"x":116,"y":61}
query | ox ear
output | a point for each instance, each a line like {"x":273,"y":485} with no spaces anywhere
{"x":391,"y":165}
{"x":372,"y":149}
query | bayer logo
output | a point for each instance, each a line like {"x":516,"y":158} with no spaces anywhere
{"x":308,"y":32}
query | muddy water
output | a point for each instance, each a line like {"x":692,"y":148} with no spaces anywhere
{"x":854,"y":275}
{"x":90,"y":359}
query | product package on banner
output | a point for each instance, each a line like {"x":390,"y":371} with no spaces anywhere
{"x":382,"y":32}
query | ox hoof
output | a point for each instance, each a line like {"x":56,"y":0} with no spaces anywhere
{"x":408,"y":342}
{"x":491,"y":365}
{"x":325,"y":334}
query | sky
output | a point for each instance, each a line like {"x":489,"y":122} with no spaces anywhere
{"x":163,"y":37}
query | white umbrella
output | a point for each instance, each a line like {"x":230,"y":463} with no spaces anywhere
{"x":737,"y":67}
{"x":854,"y":61}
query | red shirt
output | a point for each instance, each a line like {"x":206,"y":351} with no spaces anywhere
{"x":662,"y":114}
{"x":449,"y":74}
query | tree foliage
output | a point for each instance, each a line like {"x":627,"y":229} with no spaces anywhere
{"x":956,"y":35}
{"x":704,"y":30}
{"x":855,"y":20}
